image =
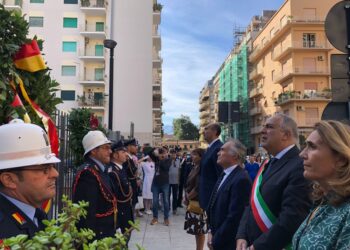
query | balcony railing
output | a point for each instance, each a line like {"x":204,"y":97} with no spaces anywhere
{"x":255,"y":92}
{"x":255,"y":75}
{"x":84,"y":101}
{"x":280,"y":53}
{"x":92,"y":28}
{"x":289,"y":72}
{"x":92,"y":3}
{"x":156,"y":104}
{"x":255,"y":111}
{"x":297,"y":95}
{"x":292,"y":20}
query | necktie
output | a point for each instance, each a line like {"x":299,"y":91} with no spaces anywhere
{"x":216,"y":189}
{"x":269,"y":165}
{"x":40,"y":215}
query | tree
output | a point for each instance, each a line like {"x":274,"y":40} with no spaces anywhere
{"x":184,"y":129}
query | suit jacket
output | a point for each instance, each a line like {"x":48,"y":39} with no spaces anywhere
{"x":209,"y":174}
{"x":9,"y":226}
{"x":97,"y":189}
{"x":286,"y":193}
{"x":226,"y":209}
{"x":123,"y":192}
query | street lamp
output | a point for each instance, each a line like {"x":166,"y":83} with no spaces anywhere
{"x":110,"y":44}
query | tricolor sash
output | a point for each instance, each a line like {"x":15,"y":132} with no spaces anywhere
{"x":263,"y":216}
{"x":261,"y":212}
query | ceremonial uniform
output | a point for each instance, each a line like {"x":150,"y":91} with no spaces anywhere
{"x":14,"y":221}
{"x":92,"y":184}
{"x":131,"y":170}
{"x":124,"y":193}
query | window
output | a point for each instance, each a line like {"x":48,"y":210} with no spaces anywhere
{"x":36,"y":1}
{"x":70,"y":22}
{"x":309,"y":40}
{"x":100,"y":26}
{"x":68,"y":70}
{"x":70,"y":1}
{"x":36,"y":21}
{"x":311,"y":116}
{"x":99,"y":74}
{"x":68,"y":95}
{"x":98,"y":50}
{"x":69,"y":46}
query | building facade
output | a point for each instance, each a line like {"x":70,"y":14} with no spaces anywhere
{"x":290,"y":62}
{"x":74,"y":31}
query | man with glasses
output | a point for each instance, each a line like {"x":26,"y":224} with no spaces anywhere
{"x":92,"y":184}
{"x":279,"y":200}
{"x":27,"y":178}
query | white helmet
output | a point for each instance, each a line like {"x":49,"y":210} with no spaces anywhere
{"x":23,"y":144}
{"x":93,"y":139}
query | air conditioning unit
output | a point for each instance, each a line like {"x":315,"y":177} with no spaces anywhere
{"x":320,"y":58}
{"x":300,"y":108}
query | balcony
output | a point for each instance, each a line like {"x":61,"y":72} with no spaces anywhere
{"x":90,"y":79}
{"x":300,"y":46}
{"x":91,"y":102}
{"x":157,"y":42}
{"x":255,"y":75}
{"x":93,"y":7}
{"x":12,"y":4}
{"x":157,"y":105}
{"x":203,"y":106}
{"x":204,"y":114}
{"x":92,"y":55}
{"x":157,"y":8}
{"x":94,"y":31}
{"x":259,"y":50}
{"x":255,"y":111}
{"x":255,"y":92}
{"x":291,"y":96}
{"x":157,"y":61}
{"x":256,"y":130}
{"x":297,"y":71}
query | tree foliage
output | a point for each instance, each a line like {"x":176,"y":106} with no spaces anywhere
{"x":62,"y":233}
{"x":79,"y":125}
{"x":39,"y":85}
{"x":184,"y":129}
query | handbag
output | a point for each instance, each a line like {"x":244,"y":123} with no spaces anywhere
{"x":193,"y":207}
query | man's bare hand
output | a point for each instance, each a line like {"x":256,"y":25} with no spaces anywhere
{"x":241,"y":244}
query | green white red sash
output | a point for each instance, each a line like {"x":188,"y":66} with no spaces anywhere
{"x":261,"y":212}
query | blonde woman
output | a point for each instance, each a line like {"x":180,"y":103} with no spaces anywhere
{"x":327,"y":163}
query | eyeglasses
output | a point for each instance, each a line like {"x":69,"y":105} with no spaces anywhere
{"x":45,"y":168}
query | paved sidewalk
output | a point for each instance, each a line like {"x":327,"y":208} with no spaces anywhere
{"x":161,"y":237}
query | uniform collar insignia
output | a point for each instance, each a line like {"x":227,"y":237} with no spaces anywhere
{"x":19,"y":218}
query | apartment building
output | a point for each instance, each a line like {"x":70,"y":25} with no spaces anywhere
{"x":74,"y":31}
{"x":206,"y":109}
{"x":290,"y":62}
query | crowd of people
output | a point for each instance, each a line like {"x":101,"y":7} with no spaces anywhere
{"x":291,"y":199}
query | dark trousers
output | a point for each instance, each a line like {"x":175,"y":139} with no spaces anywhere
{"x":180,"y":195}
{"x":174,"y":188}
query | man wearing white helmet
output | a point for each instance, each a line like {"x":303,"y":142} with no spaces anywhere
{"x":93,"y":184}
{"x":27,"y":178}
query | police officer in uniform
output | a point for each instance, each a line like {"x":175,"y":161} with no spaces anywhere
{"x":27,"y":178}
{"x":123,"y":190}
{"x":132,"y":170}
{"x":92,"y":184}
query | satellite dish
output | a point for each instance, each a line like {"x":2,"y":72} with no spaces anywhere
{"x":336,"y":25}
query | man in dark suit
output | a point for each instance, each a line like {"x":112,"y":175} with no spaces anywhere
{"x":229,"y":198}
{"x":283,"y":189}
{"x":93,"y":184}
{"x":27,"y":178}
{"x":209,"y":169}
